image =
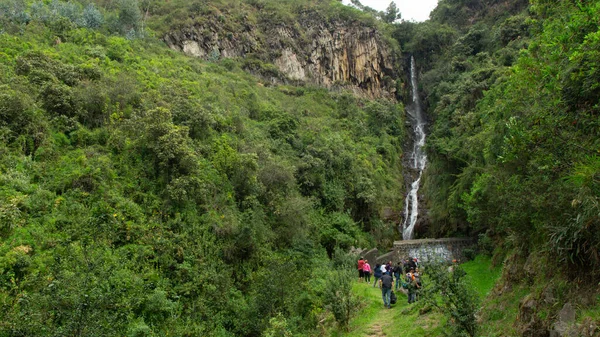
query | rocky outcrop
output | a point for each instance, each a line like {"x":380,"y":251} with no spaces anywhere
{"x":330,"y":54}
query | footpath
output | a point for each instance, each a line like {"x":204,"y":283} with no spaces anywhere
{"x":403,"y":319}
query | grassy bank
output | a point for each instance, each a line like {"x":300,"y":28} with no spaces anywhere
{"x":404,"y":319}
{"x":482,"y":274}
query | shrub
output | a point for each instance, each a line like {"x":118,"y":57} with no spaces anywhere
{"x":92,"y":18}
{"x":454,"y":297}
{"x":339,"y":298}
{"x":469,"y":253}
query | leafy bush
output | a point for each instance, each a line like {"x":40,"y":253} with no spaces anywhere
{"x":339,"y":298}
{"x":469,"y":253}
{"x":449,"y":292}
{"x":150,"y":185}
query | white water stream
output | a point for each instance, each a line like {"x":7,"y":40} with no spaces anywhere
{"x":418,"y":158}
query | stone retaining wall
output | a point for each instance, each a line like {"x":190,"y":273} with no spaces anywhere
{"x":424,"y":249}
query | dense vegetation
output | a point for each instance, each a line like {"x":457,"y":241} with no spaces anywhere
{"x":514,"y":141}
{"x":512,"y":92}
{"x":146,"y":193}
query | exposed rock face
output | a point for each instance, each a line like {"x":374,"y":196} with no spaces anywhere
{"x":331,"y":54}
{"x":532,"y":325}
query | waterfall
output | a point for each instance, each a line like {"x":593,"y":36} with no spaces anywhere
{"x":418,"y":158}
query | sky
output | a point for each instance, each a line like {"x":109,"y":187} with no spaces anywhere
{"x":411,"y":10}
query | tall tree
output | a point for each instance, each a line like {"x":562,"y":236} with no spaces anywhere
{"x":391,"y":14}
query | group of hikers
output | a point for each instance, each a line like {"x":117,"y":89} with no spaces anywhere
{"x":405,"y":274}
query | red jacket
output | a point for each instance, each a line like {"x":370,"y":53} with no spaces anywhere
{"x":360,"y":264}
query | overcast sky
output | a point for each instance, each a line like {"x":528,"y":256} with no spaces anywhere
{"x":412,"y":10}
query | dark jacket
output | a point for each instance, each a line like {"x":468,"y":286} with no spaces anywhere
{"x":377,"y":271}
{"x":386,"y":281}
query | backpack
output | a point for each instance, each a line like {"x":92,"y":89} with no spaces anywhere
{"x":393,"y":298}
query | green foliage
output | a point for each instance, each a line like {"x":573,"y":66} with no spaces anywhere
{"x":513,"y":144}
{"x":145,"y":193}
{"x":339,"y":297}
{"x":91,"y":17}
{"x":391,"y":14}
{"x":129,"y":18}
{"x":278,"y":327}
{"x":576,"y":239}
{"x":454,"y":297}
{"x":429,"y":39}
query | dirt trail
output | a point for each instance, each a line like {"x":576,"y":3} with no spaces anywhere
{"x":383,"y":319}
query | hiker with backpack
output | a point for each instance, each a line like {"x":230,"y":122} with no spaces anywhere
{"x":377,"y":273}
{"x":418,"y":284}
{"x":385,"y":284}
{"x":412,"y":286}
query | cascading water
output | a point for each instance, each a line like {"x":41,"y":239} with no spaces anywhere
{"x":418,"y":158}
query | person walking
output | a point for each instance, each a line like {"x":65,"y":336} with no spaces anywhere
{"x":412,"y":263}
{"x":406,"y":266}
{"x":376,"y":274}
{"x":360,"y":265}
{"x":412,"y":286}
{"x":385,"y":284}
{"x":367,"y":271}
{"x":397,"y":274}
{"x":418,"y":284}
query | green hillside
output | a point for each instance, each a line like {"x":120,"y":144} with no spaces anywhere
{"x":146,"y":193}
{"x":511,"y":89}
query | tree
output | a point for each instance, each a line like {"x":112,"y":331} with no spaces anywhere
{"x":92,"y":18}
{"x":391,"y":14}
{"x":130,"y":16}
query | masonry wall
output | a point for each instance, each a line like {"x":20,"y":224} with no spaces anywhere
{"x":426,"y":249}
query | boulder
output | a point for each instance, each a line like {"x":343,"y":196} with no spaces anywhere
{"x":565,"y":326}
{"x":371,"y":256}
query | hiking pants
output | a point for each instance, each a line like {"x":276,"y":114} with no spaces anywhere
{"x":386,"y":294}
{"x":411,"y":296}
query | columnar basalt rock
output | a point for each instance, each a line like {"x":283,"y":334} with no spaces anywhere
{"x":330,"y":54}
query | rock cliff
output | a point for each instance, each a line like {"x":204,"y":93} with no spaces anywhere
{"x":328,"y":53}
